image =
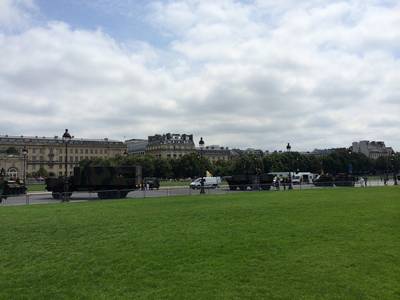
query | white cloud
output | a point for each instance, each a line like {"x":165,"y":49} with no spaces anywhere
{"x":16,"y":14}
{"x":256,"y":74}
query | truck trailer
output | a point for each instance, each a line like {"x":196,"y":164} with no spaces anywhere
{"x":254,"y":182}
{"x":107,"y":182}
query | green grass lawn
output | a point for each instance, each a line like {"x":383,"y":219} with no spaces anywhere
{"x":317,"y":244}
{"x":168,"y":183}
{"x":36,"y":188}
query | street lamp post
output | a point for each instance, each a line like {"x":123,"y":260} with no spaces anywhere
{"x":66,"y":139}
{"x":394,"y":166}
{"x":350,"y":165}
{"x":288,"y":148}
{"x":25,"y":153}
{"x":386,"y":172}
{"x":201,"y":144}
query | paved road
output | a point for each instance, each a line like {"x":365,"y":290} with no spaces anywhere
{"x":45,"y":197}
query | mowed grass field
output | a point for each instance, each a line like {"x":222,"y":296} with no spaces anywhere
{"x":317,"y":244}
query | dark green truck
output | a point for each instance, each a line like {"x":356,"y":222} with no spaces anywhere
{"x":108,"y":182}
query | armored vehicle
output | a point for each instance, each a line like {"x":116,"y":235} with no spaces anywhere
{"x":244,"y":181}
{"x":324,"y":180}
{"x":151,"y":182}
{"x":343,"y":179}
{"x":340,"y":179}
{"x":108,"y":182}
{"x":9,"y":187}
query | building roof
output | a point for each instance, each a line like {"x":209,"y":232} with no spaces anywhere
{"x":54,"y":140}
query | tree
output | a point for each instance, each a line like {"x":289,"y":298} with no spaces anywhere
{"x":222,"y":168}
{"x":162,"y":168}
{"x":40,"y":173}
{"x":188,"y":166}
{"x":247,"y":164}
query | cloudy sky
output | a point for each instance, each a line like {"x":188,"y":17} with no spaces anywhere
{"x":249,"y":73}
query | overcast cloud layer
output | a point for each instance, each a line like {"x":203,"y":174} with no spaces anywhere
{"x":241,"y":74}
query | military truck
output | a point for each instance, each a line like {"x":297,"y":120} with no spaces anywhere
{"x":324,"y":180}
{"x":10,"y":187}
{"x":151,"y":183}
{"x":344,"y":179}
{"x":254,"y":182}
{"x":340,"y":179}
{"x":108,"y":182}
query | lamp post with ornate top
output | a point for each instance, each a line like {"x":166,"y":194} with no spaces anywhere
{"x":24,"y":153}
{"x":201,"y":144}
{"x":394,"y":166}
{"x":288,"y":148}
{"x":66,"y":139}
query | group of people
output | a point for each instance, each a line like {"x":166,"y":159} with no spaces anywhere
{"x":281,"y":181}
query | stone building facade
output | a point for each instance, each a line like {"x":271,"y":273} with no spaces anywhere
{"x":12,"y":165}
{"x":136,"y":146}
{"x":170,"y":145}
{"x":215,"y":153}
{"x":49,"y":152}
{"x":372,"y":149}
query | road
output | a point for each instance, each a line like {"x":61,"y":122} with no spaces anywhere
{"x":46,"y":197}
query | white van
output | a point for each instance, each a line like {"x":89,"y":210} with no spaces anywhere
{"x":303,"y":177}
{"x":209,"y":182}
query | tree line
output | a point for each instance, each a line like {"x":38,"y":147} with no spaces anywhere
{"x":192,"y":165}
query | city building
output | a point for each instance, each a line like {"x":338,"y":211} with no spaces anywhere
{"x":324,"y":152}
{"x":215,"y":153}
{"x":48,"y":153}
{"x":12,"y":165}
{"x":255,"y":152}
{"x":136,"y":146}
{"x":248,"y":151}
{"x":372,"y":149}
{"x":170,"y":145}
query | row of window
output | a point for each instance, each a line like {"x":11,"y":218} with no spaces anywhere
{"x":61,"y":158}
{"x":71,"y":151}
{"x":170,"y":148}
{"x":51,"y":167}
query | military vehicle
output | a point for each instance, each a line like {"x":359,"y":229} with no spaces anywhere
{"x":324,"y":180}
{"x":108,"y":182}
{"x":254,"y":182}
{"x":340,"y":179}
{"x":151,"y":183}
{"x":344,"y":179}
{"x":10,"y":187}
